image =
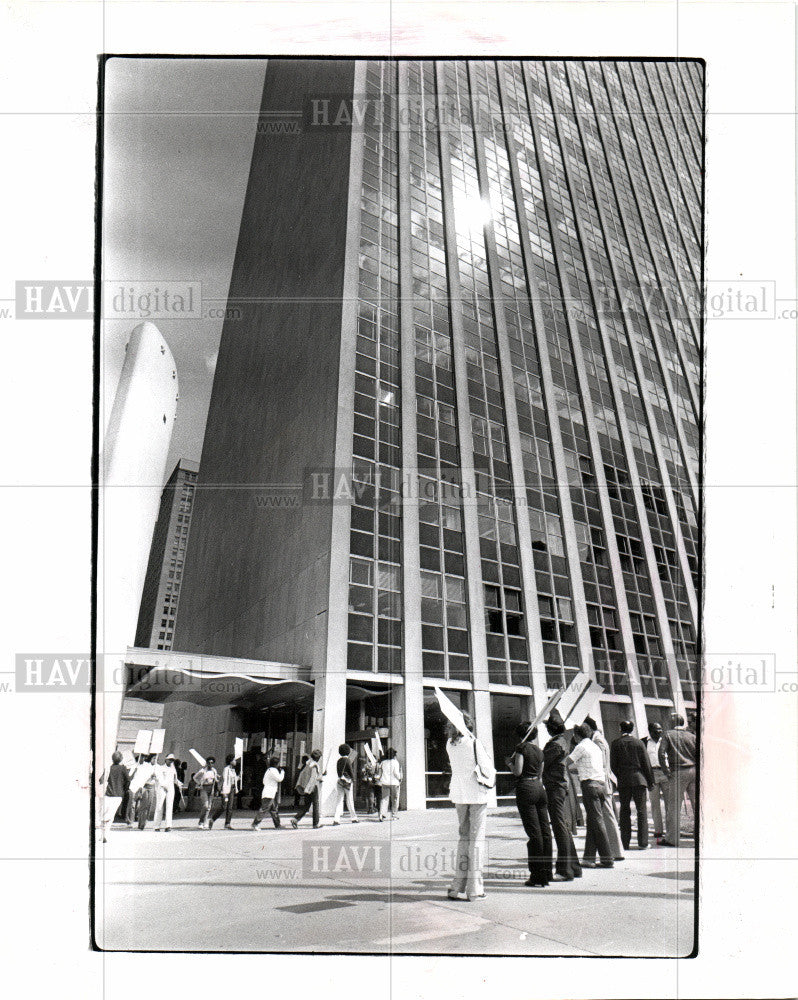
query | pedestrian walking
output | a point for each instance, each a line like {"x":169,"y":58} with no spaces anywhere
{"x":345,"y":786}
{"x":131,"y":798}
{"x":207,"y":781}
{"x":166,"y":778}
{"x":677,"y":758}
{"x":116,"y":786}
{"x":473,"y":774}
{"x":308,"y":784}
{"x":370,"y":783}
{"x":229,"y":791}
{"x":390,"y":779}
{"x":630,"y":764}
{"x":271,"y":786}
{"x":589,"y":762}
{"x":297,"y":793}
{"x":142,"y":787}
{"x":555,"y":782}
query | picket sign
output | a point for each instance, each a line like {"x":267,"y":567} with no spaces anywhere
{"x":369,"y":755}
{"x":452,"y":712}
{"x":143,"y":739}
{"x":156,"y":745}
{"x":199,"y":759}
{"x":580,"y":698}
{"x":238,"y":748}
{"x":543,"y":713}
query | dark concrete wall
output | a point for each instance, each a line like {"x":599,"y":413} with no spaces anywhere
{"x":256,"y":578}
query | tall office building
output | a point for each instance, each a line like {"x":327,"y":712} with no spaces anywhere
{"x":468,"y":326}
{"x":161,"y":594}
{"x":161,"y":591}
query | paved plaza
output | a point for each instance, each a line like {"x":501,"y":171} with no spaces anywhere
{"x":378,"y":888}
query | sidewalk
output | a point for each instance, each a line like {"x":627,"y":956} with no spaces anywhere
{"x":378,"y":888}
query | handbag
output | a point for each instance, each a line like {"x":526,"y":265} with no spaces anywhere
{"x":344,"y":781}
{"x":482,"y":778}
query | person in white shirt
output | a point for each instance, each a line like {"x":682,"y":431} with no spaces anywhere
{"x":207,"y":780}
{"x":608,"y":806}
{"x":166,"y":777}
{"x":656,"y":794}
{"x":390,"y":774}
{"x":230,"y":787}
{"x":142,"y":785}
{"x":589,"y":762}
{"x":271,"y":785}
{"x":473,"y":774}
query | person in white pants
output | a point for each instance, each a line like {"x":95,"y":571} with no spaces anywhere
{"x":166,"y":776}
{"x":346,"y":783}
{"x":390,"y":781}
{"x":472,"y":775}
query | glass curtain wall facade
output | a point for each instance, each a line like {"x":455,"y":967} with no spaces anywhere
{"x":528,"y":339}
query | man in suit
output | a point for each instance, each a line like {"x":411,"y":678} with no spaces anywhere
{"x":630,"y":765}
{"x":555,"y":781}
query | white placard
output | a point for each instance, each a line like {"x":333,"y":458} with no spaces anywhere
{"x":158,"y":736}
{"x":143,"y":739}
{"x":452,"y":712}
{"x":199,"y":759}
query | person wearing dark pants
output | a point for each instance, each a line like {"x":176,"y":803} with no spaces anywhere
{"x":271,"y":787}
{"x":226,"y":804}
{"x":308,"y":801}
{"x":589,"y":762}
{"x":555,"y":783}
{"x":526,"y":765}
{"x":308,"y":786}
{"x":630,"y":764}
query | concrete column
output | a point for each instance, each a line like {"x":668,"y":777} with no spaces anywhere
{"x":329,"y":668}
{"x":408,"y":699}
{"x":534,"y":644}
{"x":474,"y":585}
{"x":329,"y":723}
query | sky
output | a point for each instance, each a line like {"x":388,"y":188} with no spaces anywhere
{"x":177,"y":148}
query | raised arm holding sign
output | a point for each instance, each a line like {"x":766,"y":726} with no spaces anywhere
{"x":452,"y":713}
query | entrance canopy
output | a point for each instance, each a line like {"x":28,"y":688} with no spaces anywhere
{"x":159,"y":675}
{"x":163,"y":675}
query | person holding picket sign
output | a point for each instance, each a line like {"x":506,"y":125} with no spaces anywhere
{"x":473,"y":775}
{"x":307,"y":785}
{"x":390,"y":779}
{"x":345,"y":787}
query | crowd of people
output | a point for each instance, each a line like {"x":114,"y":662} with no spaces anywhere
{"x":660,"y":766}
{"x":146,"y":788}
{"x":548,"y":807}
